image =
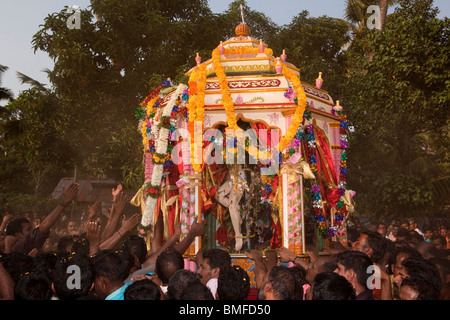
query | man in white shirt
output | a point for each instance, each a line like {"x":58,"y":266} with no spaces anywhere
{"x":413,"y":226}
{"x":210,"y":262}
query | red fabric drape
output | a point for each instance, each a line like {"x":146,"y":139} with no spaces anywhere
{"x":173,"y":177}
{"x":275,"y":242}
{"x":326,"y":169}
{"x":265,"y":140}
{"x":326,"y":160}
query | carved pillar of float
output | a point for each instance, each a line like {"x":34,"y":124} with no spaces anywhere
{"x":293,"y":210}
{"x":188,"y":202}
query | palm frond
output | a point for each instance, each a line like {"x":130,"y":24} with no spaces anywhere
{"x":355,"y":11}
{"x":24,"y":79}
{"x":3,"y":68}
{"x":6,"y":94}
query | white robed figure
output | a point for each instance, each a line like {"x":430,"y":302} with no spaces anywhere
{"x":229,"y":195}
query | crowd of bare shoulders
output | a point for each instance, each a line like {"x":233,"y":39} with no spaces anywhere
{"x":102,"y":257}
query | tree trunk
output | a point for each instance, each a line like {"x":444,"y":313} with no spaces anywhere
{"x":383,"y":13}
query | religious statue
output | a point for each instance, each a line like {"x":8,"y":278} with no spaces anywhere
{"x":229,"y":195}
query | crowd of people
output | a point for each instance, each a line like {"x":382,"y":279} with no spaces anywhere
{"x":102,"y":258}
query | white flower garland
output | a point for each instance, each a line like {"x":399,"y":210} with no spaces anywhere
{"x":162,"y":135}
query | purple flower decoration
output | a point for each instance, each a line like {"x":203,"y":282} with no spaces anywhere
{"x":315,"y":189}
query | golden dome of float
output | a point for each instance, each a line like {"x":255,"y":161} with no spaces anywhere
{"x":242,"y":30}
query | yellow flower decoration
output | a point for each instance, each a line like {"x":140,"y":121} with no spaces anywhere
{"x":195,"y":107}
{"x":199,"y":113}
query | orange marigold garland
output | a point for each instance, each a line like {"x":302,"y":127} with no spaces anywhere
{"x":229,"y":105}
{"x":199,"y":115}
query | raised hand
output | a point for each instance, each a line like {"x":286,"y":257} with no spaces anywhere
{"x":93,"y":234}
{"x":197,"y":228}
{"x":94,"y":209}
{"x":115,"y":192}
{"x":8,"y":217}
{"x":130,"y":223}
{"x":121,"y":201}
{"x":69,"y":194}
{"x":285,"y":254}
{"x":313,"y":255}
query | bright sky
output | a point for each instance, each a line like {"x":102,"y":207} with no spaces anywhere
{"x":20,"y":20}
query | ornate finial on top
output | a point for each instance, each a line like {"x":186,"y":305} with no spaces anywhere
{"x":261,"y":46}
{"x":283,"y":56}
{"x":319,"y":81}
{"x":242,"y":30}
{"x":338,"y":108}
{"x":242,"y":13}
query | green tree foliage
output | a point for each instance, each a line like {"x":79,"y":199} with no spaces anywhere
{"x":316,"y":45}
{"x":398,"y":103}
{"x":104,"y":69}
{"x":33,"y":152}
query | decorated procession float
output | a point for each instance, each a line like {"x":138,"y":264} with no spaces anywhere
{"x":247,"y":147}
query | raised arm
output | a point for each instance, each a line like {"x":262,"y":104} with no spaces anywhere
{"x":6,"y":219}
{"x":93,"y":234}
{"x":127,"y":225}
{"x":386,"y":293}
{"x":260,"y":266}
{"x":151,"y":259}
{"x":119,"y":202}
{"x":287,"y":255}
{"x":197,"y":229}
{"x":92,"y":212}
{"x":67,"y":197}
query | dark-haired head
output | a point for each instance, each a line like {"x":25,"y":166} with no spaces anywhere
{"x":142,"y":290}
{"x":281,"y":285}
{"x":356,"y":261}
{"x":331,"y":286}
{"x":74,"y":277}
{"x":33,"y":285}
{"x":233,"y":284}
{"x":110,"y":272}
{"x":426,"y":271}
{"x":196,"y":291}
{"x":181,"y":279}
{"x":167,"y":263}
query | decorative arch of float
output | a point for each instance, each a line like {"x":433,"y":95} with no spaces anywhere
{"x":244,"y":81}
